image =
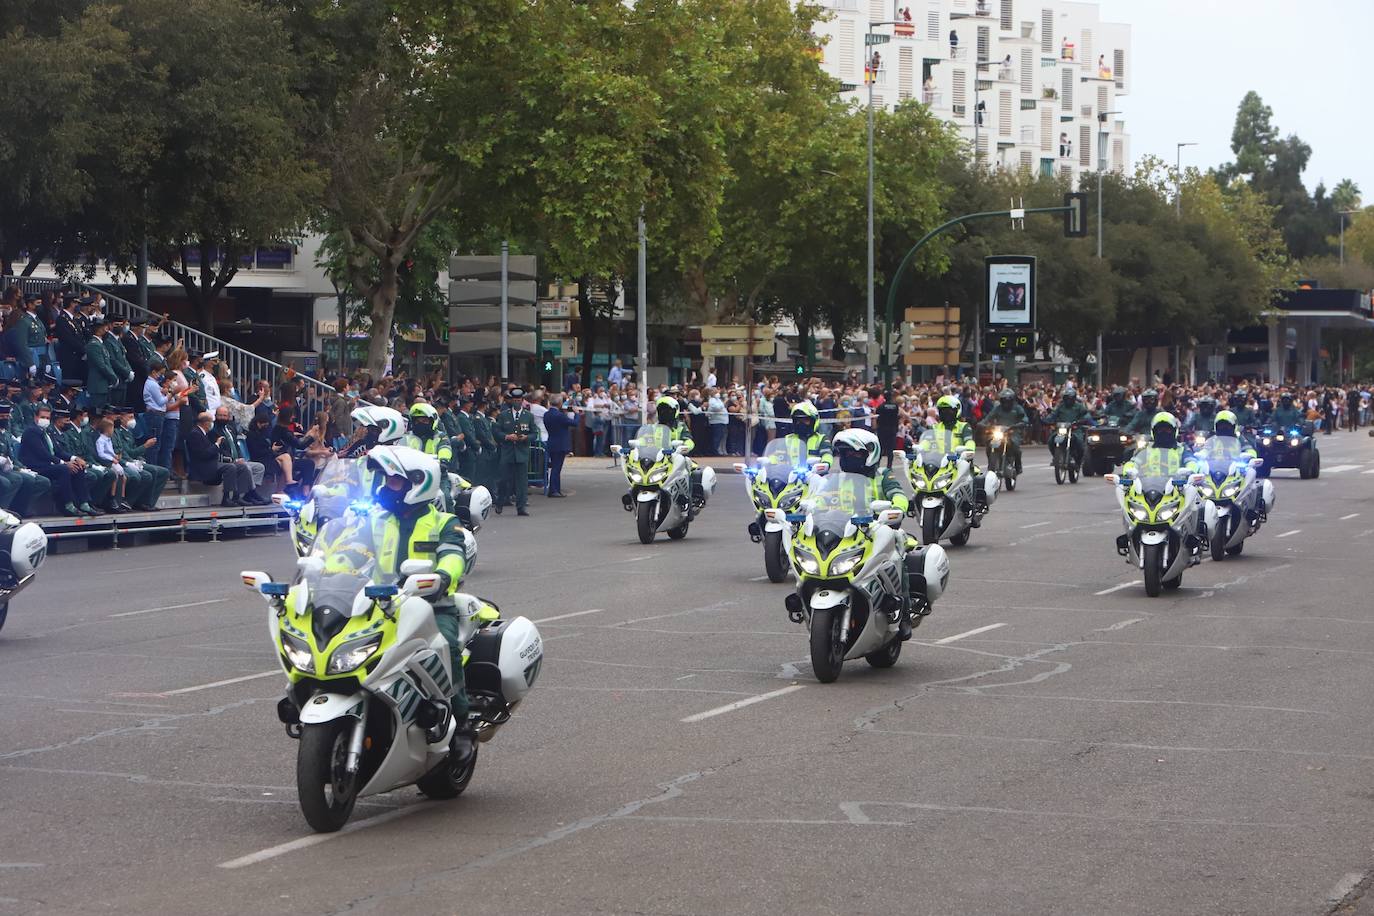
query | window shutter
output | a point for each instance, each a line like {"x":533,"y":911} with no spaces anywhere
{"x":1027,"y":158}
{"x":877,"y":11}
{"x":1066,"y":89}
{"x":1004,"y":112}
{"x":1085,"y":145}
{"x":1006,"y":16}
{"x":1085,"y":51}
{"x":904,"y":75}
{"x":933,"y":24}
{"x":982,"y":43}
{"x":1118,"y":154}
{"x":1027,"y":72}
{"x":983,"y":146}
{"x":960,"y":87}
{"x":1119,"y":68}
{"x":1047,"y":32}
{"x":1102,"y":104}
{"x":1046,"y":128}
{"x":845,"y":50}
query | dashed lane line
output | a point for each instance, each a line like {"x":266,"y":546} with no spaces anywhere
{"x":1115,"y":588}
{"x":740,"y":704}
{"x":304,"y":842}
{"x":169,"y":607}
{"x":1288,"y":533}
{"x":595,"y":610}
{"x":974,"y":632}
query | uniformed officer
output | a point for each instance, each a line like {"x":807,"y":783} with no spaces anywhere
{"x":114,"y":345}
{"x":78,"y":436}
{"x":515,"y":428}
{"x":488,"y":462}
{"x":100,"y":371}
{"x":19,"y":487}
{"x":145,"y":482}
{"x":467,"y":457}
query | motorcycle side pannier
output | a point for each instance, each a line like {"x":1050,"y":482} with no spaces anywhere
{"x":504,"y":660}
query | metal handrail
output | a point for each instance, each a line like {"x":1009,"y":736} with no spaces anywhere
{"x":244,"y":365}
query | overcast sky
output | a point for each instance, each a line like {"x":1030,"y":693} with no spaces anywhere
{"x":1308,"y":59}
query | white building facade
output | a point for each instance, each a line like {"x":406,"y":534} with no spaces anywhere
{"x":1030,"y":84}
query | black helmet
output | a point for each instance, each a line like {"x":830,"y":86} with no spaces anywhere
{"x":1236,"y":401}
{"x":1149,"y":397}
{"x":1007,"y":397}
{"x":1286,"y":399}
{"x":1206,"y":406}
{"x":1118,"y":393}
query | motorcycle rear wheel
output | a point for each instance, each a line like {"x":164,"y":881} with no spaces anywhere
{"x":4,"y":613}
{"x":773,"y":560}
{"x":1153,"y":556}
{"x":827,"y":644}
{"x":678,"y":533}
{"x":1235,"y":551}
{"x":885,"y":657}
{"x":1073,"y":473}
{"x":960,"y":539}
{"x":447,"y":780}
{"x":644,"y":519}
{"x":1009,"y":481}
{"x":326,"y":795}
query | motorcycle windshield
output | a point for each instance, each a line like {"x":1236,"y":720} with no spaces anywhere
{"x":930,"y":447}
{"x":1220,"y":452}
{"x":651,"y":441}
{"x":342,"y":484}
{"x":347,"y":562}
{"x":837,"y":499}
{"x":778,"y":462}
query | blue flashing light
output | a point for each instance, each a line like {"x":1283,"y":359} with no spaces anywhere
{"x":274,"y":589}
{"x":380,"y":591}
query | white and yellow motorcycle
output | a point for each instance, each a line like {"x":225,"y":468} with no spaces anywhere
{"x":666,"y":493}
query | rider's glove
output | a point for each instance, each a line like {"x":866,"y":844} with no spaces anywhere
{"x":445,"y":580}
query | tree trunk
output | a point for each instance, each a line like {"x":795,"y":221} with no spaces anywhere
{"x":382,"y":299}
{"x":35,"y":258}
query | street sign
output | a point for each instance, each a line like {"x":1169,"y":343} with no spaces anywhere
{"x":558,"y":308}
{"x":713,"y":348}
{"x":488,"y":267}
{"x":874,"y":38}
{"x":763,"y":332}
{"x":481,"y":343}
{"x":1076,"y":218}
{"x":933,"y":314}
{"x":488,"y":292}
{"x":488,"y":318}
{"x":557,"y":328}
{"x":932,"y":358}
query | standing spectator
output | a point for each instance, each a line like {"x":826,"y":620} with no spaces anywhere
{"x":136,"y":355}
{"x":102,"y":378}
{"x":717,"y":417}
{"x":162,"y":411}
{"x":953,"y":44}
{"x":599,"y":419}
{"x":71,"y":346}
{"x":1352,"y":408}
{"x":209,"y":386}
{"x":616,"y":376}
{"x":560,"y":423}
{"x":630,"y":418}
{"x":515,"y":428}
{"x":114,"y":346}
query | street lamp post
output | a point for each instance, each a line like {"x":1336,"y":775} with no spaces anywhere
{"x":1178,"y":175}
{"x":870,"y":372}
{"x":1101,"y":168}
{"x":1344,"y":214}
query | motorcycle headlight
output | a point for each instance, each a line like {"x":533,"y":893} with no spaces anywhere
{"x":1125,"y":438}
{"x":352,"y":654}
{"x":790,"y":500}
{"x":1139,"y":514}
{"x":298,"y":654}
{"x":658,"y":475}
{"x":845,"y":562}
{"x":942,"y":480}
{"x":996,"y":435}
{"x":1167,"y":513}
{"x":1278,"y":437}
{"x":1063,"y":430}
{"x":1229,"y":492}
{"x":807,"y":561}
{"x":1267,"y":441}
{"x":1094,"y":438}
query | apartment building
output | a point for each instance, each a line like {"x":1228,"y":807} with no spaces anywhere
{"x":1030,"y":84}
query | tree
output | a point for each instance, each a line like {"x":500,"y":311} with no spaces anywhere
{"x":1346,"y":195}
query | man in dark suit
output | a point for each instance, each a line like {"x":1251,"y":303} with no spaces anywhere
{"x":137,"y":355}
{"x":45,"y":456}
{"x":71,"y":344}
{"x":207,"y":467}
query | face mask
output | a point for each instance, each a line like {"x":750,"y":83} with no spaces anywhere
{"x":43,"y":422}
{"x":391,"y":500}
{"x":85,"y":421}
{"x":130,"y":424}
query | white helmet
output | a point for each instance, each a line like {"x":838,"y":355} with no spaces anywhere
{"x":856,"y":442}
{"x":414,"y":465}
{"x":390,"y":424}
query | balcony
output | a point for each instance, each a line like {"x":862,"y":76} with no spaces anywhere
{"x":933,"y":98}
{"x":959,"y":109}
{"x":958,"y":52}
{"x":981,"y":10}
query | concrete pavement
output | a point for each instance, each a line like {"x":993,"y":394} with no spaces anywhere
{"x":1049,"y":743}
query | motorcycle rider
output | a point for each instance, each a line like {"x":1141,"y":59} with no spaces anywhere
{"x":804,"y":441}
{"x":405,"y":525}
{"x":1228,"y":424}
{"x":373,"y":425}
{"x":425,"y":436}
{"x":1140,"y":420}
{"x":667,"y":414}
{"x":1286,"y":415}
{"x":858,"y":451}
{"x":953,"y":434}
{"x":1204,"y":418}
{"x":1164,"y":457}
{"x":1117,"y":411}
{"x":1011,"y":416}
{"x":1069,"y":411}
{"x":1245,"y":417}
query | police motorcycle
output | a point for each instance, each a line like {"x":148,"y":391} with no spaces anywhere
{"x":999,"y":456}
{"x":1161,"y":515}
{"x":774,"y":483}
{"x":662,"y":493}
{"x":945,"y":500}
{"x":1061,"y":453}
{"x":1229,"y":483}
{"x":23,"y":548}
{"x":855,"y":578}
{"x":369,"y":673}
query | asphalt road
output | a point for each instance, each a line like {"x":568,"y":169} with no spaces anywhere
{"x":1048,"y":744}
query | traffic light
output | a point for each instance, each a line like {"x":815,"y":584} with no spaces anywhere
{"x":800,"y":367}
{"x":546,"y":370}
{"x":1076,"y":217}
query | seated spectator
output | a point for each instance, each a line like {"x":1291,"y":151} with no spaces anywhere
{"x":107,"y":456}
{"x":206,"y":464}
{"x":41,"y":453}
{"x":228,"y":435}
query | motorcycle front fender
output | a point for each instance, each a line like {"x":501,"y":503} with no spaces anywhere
{"x":1153,"y":537}
{"x":647,"y":496}
{"x":1210,"y":515}
{"x":326,"y":707}
{"x":932,"y":502}
{"x":827,"y":598}
{"x":773,"y":527}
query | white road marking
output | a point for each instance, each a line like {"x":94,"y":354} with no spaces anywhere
{"x":759,"y":579}
{"x":1370,"y":471}
{"x":1115,"y":588}
{"x":1344,"y":887}
{"x":1121,"y":625}
{"x":1346,"y":518}
{"x":1037,"y":525}
{"x":595,"y":610}
{"x":958,"y":636}
{"x":304,"y":842}
{"x":170,"y":607}
{"x":1288,"y":533}
{"x":212,"y":684}
{"x":1340,"y":467}
{"x":740,"y":704}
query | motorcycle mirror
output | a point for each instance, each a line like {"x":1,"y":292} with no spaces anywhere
{"x":740,"y":467}
{"x":889,"y":516}
{"x":1197,"y":479}
{"x":421,"y":586}
{"x":775,"y":515}
{"x":279,"y":499}
{"x":683,"y":448}
{"x":878,"y":506}
{"x":615,"y":449}
{"x":416,"y":567}
{"x":1256,"y":462}
{"x":254,"y":580}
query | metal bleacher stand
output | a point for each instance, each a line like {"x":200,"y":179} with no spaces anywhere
{"x":182,"y":512}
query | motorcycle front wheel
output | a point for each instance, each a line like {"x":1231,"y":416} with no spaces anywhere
{"x":774,"y":562}
{"x":325,"y":791}
{"x":827,"y":644}
{"x":4,"y":612}
{"x":1153,"y":555}
{"x":1219,"y":539}
{"x":644,"y":521}
{"x":1058,"y":469}
{"x":930,"y":527}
